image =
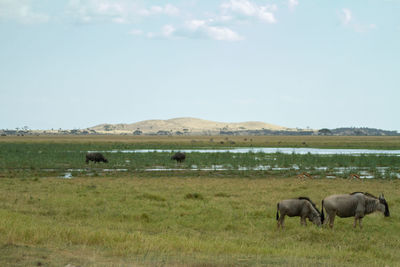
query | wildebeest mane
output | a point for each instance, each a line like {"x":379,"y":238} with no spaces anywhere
{"x":312,"y":203}
{"x":365,"y":193}
{"x":370,"y":205}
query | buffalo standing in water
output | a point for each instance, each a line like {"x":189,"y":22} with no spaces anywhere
{"x":179,"y":157}
{"x":96,"y":157}
{"x":302,"y":207}
{"x":357,"y":204}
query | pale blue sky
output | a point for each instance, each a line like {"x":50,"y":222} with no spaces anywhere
{"x":296,"y":63}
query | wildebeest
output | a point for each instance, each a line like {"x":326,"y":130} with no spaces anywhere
{"x":96,"y":157}
{"x":302,"y":207}
{"x":356,"y":204}
{"x":179,"y":157}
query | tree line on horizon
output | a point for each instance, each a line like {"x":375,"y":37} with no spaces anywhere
{"x":343,"y":131}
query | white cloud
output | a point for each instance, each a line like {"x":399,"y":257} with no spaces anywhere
{"x":20,"y":11}
{"x":195,"y":29}
{"x":222,"y":33}
{"x":346,"y":16}
{"x":206,"y":29}
{"x":91,"y":10}
{"x":119,"y":11}
{"x":168,"y":30}
{"x":168,"y":9}
{"x":348,"y":20}
{"x":195,"y":24}
{"x":293,"y":4}
{"x":249,"y":9}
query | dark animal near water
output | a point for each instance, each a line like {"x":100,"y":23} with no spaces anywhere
{"x":96,"y":157}
{"x":302,"y":207}
{"x":356,"y":204}
{"x":179,"y":157}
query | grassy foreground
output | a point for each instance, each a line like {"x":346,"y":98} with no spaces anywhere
{"x":185,"y":221}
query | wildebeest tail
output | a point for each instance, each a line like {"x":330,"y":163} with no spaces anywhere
{"x":277,"y":211}
{"x":322,"y":212}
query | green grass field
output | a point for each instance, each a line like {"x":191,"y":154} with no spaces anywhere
{"x":185,"y":218}
{"x":185,"y":221}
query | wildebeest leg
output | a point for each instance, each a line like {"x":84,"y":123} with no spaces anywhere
{"x":359,"y":223}
{"x":303,"y":221}
{"x":359,"y":215}
{"x":281,"y":221}
{"x":355,"y":222}
{"x":326,"y":219}
{"x":331,"y":219}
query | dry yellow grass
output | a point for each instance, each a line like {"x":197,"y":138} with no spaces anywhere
{"x":185,"y":222}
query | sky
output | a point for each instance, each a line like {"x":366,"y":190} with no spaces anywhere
{"x":296,"y":63}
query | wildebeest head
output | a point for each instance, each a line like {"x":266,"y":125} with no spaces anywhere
{"x":315,"y":219}
{"x":314,"y":215}
{"x":384,"y":207}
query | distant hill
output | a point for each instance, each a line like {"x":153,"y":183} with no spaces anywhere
{"x":181,"y":126}
{"x":193,"y":126}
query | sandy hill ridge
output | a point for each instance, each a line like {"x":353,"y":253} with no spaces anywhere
{"x":184,"y":125}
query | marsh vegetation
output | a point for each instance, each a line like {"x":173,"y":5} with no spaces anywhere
{"x":38,"y":159}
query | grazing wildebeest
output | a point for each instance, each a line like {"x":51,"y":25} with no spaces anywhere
{"x":302,"y":207}
{"x":96,"y":157}
{"x":356,"y":204}
{"x":179,"y":157}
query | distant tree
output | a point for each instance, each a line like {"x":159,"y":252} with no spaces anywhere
{"x":324,"y":131}
{"x":137,"y":132}
{"x":107,"y":127}
{"x":226,"y":133}
{"x":163,"y":133}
